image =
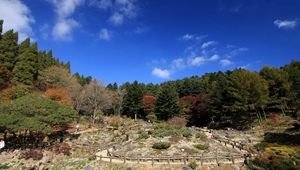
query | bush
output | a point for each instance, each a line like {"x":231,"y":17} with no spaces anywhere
{"x":115,"y":121}
{"x":20,"y":91}
{"x":162,"y":130}
{"x":35,"y":154}
{"x":161,"y":145}
{"x":63,"y":148}
{"x":186,"y":132}
{"x":4,"y":166}
{"x":201,"y":136}
{"x":201,"y":146}
{"x":143,"y":135}
{"x":177,"y":121}
{"x":152,"y":117}
{"x":193,"y":165}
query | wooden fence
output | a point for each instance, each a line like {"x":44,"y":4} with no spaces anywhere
{"x":218,"y":158}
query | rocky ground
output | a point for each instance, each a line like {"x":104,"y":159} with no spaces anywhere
{"x":120,"y":141}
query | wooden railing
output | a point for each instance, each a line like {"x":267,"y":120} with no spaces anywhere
{"x":218,"y":158}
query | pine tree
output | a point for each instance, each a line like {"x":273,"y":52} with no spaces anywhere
{"x":9,"y":49}
{"x":1,"y":28}
{"x":25,"y":69}
{"x":133,"y":100}
{"x":166,"y":105}
{"x":279,"y":87}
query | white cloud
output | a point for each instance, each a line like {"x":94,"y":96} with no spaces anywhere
{"x":120,"y":9}
{"x":17,"y":16}
{"x":187,"y":37}
{"x":214,"y":57}
{"x":178,"y":64}
{"x":238,"y":51}
{"x":127,"y":7}
{"x":285,"y":24}
{"x":116,"y":19}
{"x":196,"y":61}
{"x":208,"y":44}
{"x":225,"y":62}
{"x":102,"y":4}
{"x":65,"y":24}
{"x":44,"y":29}
{"x":63,"y":29}
{"x":161,"y":73}
{"x":105,"y":34}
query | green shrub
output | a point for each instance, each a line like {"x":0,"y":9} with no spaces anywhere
{"x":193,"y":165}
{"x":186,"y":132}
{"x":152,"y":117}
{"x":161,"y":145}
{"x":163,"y":130}
{"x":201,"y":146}
{"x":20,"y":91}
{"x":143,"y":135}
{"x":4,"y":166}
{"x":201,"y":136}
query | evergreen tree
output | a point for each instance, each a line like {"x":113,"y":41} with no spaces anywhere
{"x":279,"y":87}
{"x":133,"y":100}
{"x":1,"y":28}
{"x":246,"y":92}
{"x":113,"y":87}
{"x":293,"y":70}
{"x":166,"y":105}
{"x":9,"y":49}
{"x":26,"y":66}
{"x":5,"y":76}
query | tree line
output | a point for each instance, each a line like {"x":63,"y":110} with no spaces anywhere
{"x":218,"y":99}
{"x":38,"y":93}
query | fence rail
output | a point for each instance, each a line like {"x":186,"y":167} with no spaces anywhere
{"x":216,"y":159}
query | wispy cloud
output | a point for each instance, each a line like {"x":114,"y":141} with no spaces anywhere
{"x":199,"y":53}
{"x":17,"y":16}
{"x":161,"y":73}
{"x":120,"y":9}
{"x":65,"y":23}
{"x":116,"y":19}
{"x":225,"y":62}
{"x":191,"y":37}
{"x":285,"y":24}
{"x":208,"y":44}
{"x":105,"y":34}
{"x":178,"y":64}
{"x":196,"y":61}
{"x":236,"y":51}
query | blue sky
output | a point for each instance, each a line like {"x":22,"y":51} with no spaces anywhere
{"x":159,"y":40}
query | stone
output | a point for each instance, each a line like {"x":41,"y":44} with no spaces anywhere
{"x":88,"y":168}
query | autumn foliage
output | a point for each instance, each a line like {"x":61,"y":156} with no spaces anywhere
{"x":60,"y":95}
{"x":149,"y":103}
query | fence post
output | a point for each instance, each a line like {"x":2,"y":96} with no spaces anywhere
{"x":202,"y":159}
{"x":168,"y":160}
{"x":100,"y":157}
{"x":124,"y":159}
{"x":152,"y":161}
{"x":232,"y":159}
{"x":217,"y":160}
{"x":110,"y":159}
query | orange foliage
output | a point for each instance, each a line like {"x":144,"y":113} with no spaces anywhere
{"x":149,"y":103}
{"x":60,"y":95}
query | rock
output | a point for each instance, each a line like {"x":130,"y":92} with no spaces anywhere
{"x":186,"y":168}
{"x":88,"y":168}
